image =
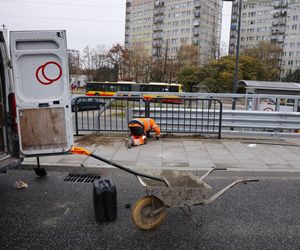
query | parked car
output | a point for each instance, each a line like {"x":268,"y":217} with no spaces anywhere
{"x":80,"y":103}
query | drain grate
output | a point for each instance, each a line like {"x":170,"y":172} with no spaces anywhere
{"x":83,"y":178}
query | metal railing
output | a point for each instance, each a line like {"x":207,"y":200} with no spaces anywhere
{"x":105,"y":113}
{"x":186,"y":115}
{"x":193,"y":114}
{"x":260,"y":120}
{"x":173,"y":115}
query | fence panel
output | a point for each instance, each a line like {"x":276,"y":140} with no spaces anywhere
{"x":97,"y":114}
{"x":185,"y":115}
{"x":173,"y":115}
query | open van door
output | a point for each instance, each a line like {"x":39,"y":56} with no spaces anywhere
{"x":41,"y":82}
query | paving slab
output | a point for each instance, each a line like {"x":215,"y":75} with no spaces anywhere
{"x":237,"y":155}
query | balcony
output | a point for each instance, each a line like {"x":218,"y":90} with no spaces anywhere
{"x":284,"y":3}
{"x":197,"y":4}
{"x":158,"y":20}
{"x":195,"y":31}
{"x":276,"y":13}
{"x":282,"y":21}
{"x":280,"y":39}
{"x":235,"y":3}
{"x":158,"y":12}
{"x":156,"y":44}
{"x":273,"y":40}
{"x":281,"y":30}
{"x":157,"y":36}
{"x":197,"y":13}
{"x":157,"y":28}
{"x":159,"y":3}
{"x":196,"y":23}
{"x":234,"y":17}
{"x":274,"y":31}
{"x":276,"y":4}
{"x":275,"y":22}
{"x":195,"y":41}
{"x":283,"y":13}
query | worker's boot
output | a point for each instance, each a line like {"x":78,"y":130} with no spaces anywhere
{"x":128,"y":142}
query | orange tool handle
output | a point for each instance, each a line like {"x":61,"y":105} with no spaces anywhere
{"x":80,"y":151}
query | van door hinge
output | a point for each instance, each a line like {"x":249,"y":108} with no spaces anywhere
{"x":9,"y":63}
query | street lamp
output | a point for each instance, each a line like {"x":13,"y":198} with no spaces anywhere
{"x":237,"y":54}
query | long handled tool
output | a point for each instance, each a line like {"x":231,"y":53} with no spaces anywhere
{"x":83,"y":151}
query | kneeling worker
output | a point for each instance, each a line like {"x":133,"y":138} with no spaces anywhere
{"x":139,"y":129}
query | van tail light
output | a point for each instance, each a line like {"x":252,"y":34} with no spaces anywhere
{"x":13,"y":111}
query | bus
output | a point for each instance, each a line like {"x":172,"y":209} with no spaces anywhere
{"x":111,"y":88}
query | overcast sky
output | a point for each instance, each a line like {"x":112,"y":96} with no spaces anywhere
{"x":87,"y":22}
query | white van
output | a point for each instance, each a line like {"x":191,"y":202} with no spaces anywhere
{"x":35,"y":106}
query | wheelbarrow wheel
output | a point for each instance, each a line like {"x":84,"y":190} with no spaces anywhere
{"x":144,"y":215}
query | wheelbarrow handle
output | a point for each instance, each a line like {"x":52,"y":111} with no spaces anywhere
{"x":249,"y":180}
{"x":225,"y":189}
{"x":210,"y":171}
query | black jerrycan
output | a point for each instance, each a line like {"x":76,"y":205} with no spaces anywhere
{"x":105,"y":200}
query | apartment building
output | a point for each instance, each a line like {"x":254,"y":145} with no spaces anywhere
{"x":162,"y":26}
{"x":268,"y":20}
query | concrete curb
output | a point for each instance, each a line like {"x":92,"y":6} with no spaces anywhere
{"x":53,"y":167}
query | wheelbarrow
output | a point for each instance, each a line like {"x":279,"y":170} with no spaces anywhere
{"x":168,"y":189}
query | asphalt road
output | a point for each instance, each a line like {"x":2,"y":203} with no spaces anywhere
{"x":52,"y":214}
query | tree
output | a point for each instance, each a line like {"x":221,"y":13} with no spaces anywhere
{"x":187,"y":56}
{"x":269,"y":55}
{"x":87,"y":62}
{"x":97,"y":66}
{"x":139,"y":64}
{"x":292,"y":76}
{"x":119,"y":57}
{"x":217,"y":75}
{"x":189,"y":78}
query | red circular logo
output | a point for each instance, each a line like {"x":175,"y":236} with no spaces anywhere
{"x":45,"y":77}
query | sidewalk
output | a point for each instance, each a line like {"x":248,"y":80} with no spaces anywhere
{"x":244,"y":157}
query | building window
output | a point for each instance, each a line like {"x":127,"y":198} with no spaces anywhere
{"x":291,"y":53}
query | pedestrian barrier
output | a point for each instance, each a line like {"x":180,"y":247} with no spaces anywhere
{"x":173,"y":115}
{"x":112,"y":113}
{"x":182,"y":115}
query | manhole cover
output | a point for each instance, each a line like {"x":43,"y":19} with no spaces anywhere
{"x":83,"y":178}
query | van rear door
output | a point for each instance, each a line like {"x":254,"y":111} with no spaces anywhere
{"x":41,"y":83}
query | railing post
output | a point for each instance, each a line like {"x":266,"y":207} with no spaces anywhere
{"x":147,"y":108}
{"x":220,"y":119}
{"x":76,"y":117}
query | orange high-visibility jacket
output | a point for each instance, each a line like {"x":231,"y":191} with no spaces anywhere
{"x":148,"y":124}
